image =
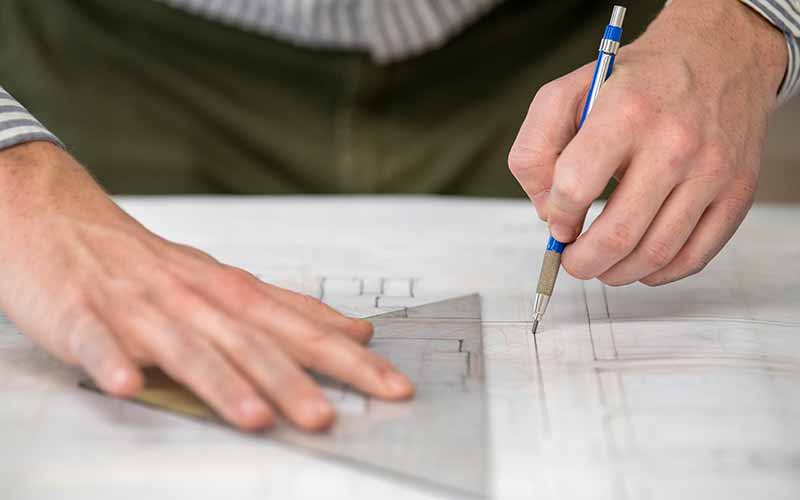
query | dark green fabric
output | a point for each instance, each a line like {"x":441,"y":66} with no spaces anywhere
{"x":154,"y":100}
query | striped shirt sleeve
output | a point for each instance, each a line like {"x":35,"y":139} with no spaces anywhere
{"x":18,"y":126}
{"x":785,"y":15}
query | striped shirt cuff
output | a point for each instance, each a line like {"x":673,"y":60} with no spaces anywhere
{"x":18,"y":126}
{"x":785,"y":15}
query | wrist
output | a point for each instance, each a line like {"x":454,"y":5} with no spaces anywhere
{"x":38,"y":175}
{"x":40,"y":183}
{"x":726,"y":38}
{"x":26,"y":173}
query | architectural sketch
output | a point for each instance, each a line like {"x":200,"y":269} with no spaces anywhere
{"x":686,"y":391}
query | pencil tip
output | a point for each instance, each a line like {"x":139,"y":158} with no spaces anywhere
{"x":534,"y":327}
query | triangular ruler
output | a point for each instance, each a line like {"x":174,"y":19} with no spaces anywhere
{"x":438,"y":440}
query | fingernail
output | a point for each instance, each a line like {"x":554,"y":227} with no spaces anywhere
{"x":561,"y":232}
{"x":318,"y":410}
{"x":253,"y":409}
{"x":121,"y":379}
{"x":397,"y":383}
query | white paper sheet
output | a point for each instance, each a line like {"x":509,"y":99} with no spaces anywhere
{"x":687,"y":391}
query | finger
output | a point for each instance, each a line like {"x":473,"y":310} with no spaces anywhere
{"x":343,"y":359}
{"x":277,"y":376}
{"x":189,"y":359}
{"x":286,"y":384}
{"x":321,"y":348}
{"x":196,"y":253}
{"x":232,"y":281}
{"x":715,"y":228}
{"x":667,"y":234}
{"x":359,"y":330}
{"x":93,"y":346}
{"x":299,"y":336}
{"x":624,"y":220}
{"x":603,"y":146}
{"x":548,"y":127}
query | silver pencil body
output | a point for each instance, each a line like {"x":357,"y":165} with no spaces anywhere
{"x":609,"y":46}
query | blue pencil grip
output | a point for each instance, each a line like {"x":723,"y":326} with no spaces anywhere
{"x":553,"y":245}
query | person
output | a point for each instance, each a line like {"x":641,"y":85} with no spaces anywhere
{"x":352,"y":96}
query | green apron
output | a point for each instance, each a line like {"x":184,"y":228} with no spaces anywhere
{"x":155,"y":100}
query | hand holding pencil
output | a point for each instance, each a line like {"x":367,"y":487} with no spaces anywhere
{"x":681,"y":124}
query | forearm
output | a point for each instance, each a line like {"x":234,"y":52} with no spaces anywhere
{"x":39,"y":177}
{"x":43,"y":193}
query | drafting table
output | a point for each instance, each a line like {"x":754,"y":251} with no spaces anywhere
{"x":686,"y":391}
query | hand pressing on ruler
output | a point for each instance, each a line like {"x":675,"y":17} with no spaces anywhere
{"x":97,"y":289}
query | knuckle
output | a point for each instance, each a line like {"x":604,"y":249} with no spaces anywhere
{"x":314,"y":354}
{"x":526,"y":160}
{"x":519,"y":158}
{"x":635,"y":106}
{"x":364,"y":329}
{"x":692,"y":263}
{"x":570,"y":190}
{"x":366,"y":359}
{"x":196,"y":252}
{"x":683,"y":141}
{"x":234,"y":277}
{"x":238,"y":283}
{"x":320,"y":335}
{"x":313,"y":348}
{"x":311,"y":302}
{"x":657,"y":253}
{"x":618,"y":241}
{"x":548,"y":94}
{"x":241,"y":350}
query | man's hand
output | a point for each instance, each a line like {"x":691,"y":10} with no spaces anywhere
{"x":95,"y":288}
{"x":681,"y":123}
